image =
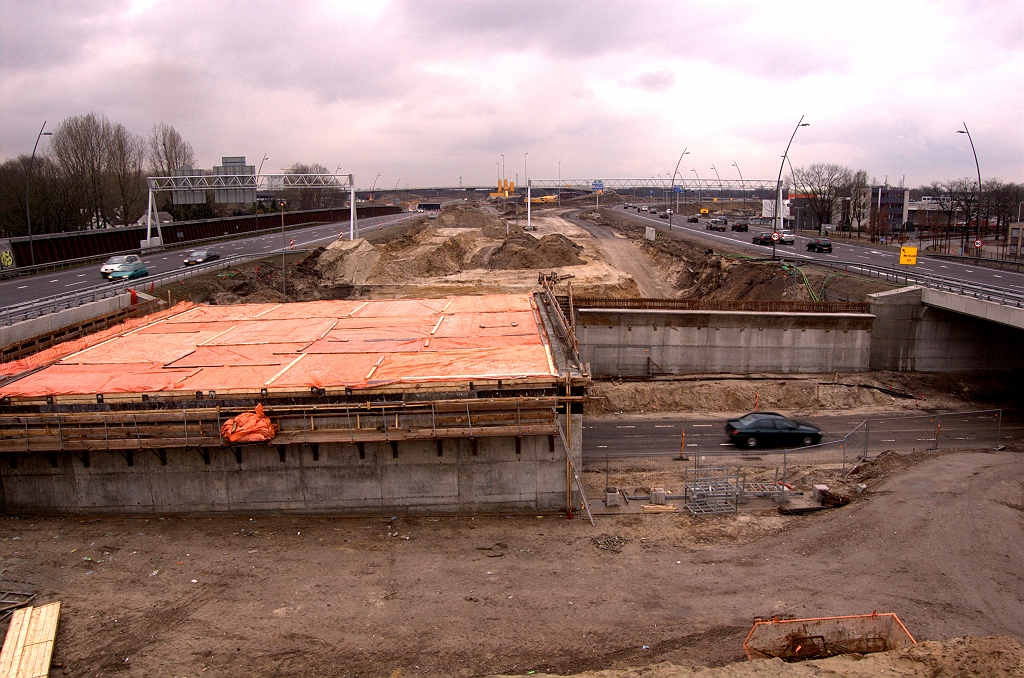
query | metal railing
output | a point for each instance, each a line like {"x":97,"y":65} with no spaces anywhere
{"x":59,"y":302}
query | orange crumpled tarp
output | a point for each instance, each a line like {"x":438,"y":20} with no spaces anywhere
{"x":249,"y":427}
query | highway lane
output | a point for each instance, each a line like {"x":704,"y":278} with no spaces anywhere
{"x":20,"y":290}
{"x":842,"y":251}
{"x":627,"y":436}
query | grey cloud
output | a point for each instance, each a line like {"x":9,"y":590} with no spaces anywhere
{"x":652,"y":81}
{"x":40,"y":35}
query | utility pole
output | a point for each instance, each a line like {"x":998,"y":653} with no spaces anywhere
{"x":28,"y":179}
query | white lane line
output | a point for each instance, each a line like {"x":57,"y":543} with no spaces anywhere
{"x":22,"y":287}
{"x":995,"y":275}
{"x":81,"y":275}
{"x":54,"y":280}
{"x":703,"y":425}
{"x":80,"y":282}
{"x":625,"y":427}
{"x":664,"y":426}
{"x":602,"y":446}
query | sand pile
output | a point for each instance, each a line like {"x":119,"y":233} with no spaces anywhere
{"x":525,"y":251}
{"x":464,"y":216}
{"x":343,"y":261}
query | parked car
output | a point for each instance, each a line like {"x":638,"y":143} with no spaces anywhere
{"x":740,"y":227}
{"x":819,"y":245}
{"x":770,"y":429}
{"x":128,"y":270}
{"x":762,"y":239}
{"x":692,"y":220}
{"x":115,"y":263}
{"x":200,"y":256}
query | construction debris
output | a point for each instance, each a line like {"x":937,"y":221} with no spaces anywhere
{"x":801,"y":639}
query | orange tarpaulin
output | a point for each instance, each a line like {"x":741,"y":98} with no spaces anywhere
{"x":340,"y":344}
{"x":249,"y":427}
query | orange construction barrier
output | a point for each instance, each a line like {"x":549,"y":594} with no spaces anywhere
{"x":249,"y":427}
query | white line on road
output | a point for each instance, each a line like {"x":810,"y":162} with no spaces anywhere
{"x":702,"y":425}
{"x":664,"y":426}
{"x":54,"y":280}
{"x":22,"y":287}
{"x":625,"y":427}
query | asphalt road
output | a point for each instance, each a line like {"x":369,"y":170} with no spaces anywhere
{"x":629,"y":436}
{"x":860,"y":253}
{"x":20,"y":290}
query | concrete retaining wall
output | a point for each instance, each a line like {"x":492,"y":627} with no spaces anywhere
{"x":644,"y":342}
{"x":418,"y":481}
{"x":910,"y":335}
{"x":51,"y":322}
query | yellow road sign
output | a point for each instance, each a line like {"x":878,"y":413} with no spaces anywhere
{"x":908,"y":256}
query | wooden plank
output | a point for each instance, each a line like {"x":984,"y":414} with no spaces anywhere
{"x":28,"y":648}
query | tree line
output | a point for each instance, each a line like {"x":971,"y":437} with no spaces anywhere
{"x":835,"y":194}
{"x":93,"y":173}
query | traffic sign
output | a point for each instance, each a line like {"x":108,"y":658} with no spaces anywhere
{"x":908,"y":256}
{"x":776,"y":236}
{"x":597,"y":185}
{"x":978,"y":244}
{"x":677,"y":189}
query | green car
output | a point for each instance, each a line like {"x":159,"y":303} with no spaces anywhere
{"x":128,"y":271}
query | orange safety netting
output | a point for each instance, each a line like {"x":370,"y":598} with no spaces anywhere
{"x":66,"y":348}
{"x":350,"y":344}
{"x":249,"y":427}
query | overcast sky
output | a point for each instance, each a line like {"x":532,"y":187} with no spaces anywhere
{"x":424,"y":93}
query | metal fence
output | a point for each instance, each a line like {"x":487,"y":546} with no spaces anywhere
{"x":632,"y":473}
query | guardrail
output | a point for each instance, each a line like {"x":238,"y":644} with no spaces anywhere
{"x":58,"y":302}
{"x":999,"y":295}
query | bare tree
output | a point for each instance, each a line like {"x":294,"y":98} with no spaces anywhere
{"x":313,"y":198}
{"x":168,"y":150}
{"x":80,"y":146}
{"x":822,"y":184}
{"x":859,"y":193}
{"x":125,"y":156}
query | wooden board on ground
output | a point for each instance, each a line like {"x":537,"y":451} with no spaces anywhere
{"x":660,"y":508}
{"x":28,"y":647}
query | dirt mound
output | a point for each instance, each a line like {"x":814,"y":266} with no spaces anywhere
{"x":737,"y":394}
{"x":995,"y":656}
{"x":444,"y":259}
{"x":525,"y":251}
{"x":465,"y":216}
{"x":343,"y":261}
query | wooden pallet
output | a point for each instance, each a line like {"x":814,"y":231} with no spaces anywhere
{"x":28,"y":647}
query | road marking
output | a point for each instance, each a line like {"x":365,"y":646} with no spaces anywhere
{"x":625,"y":427}
{"x":22,"y":287}
{"x":703,"y":425}
{"x":994,"y":275}
{"x":725,"y":445}
{"x":664,"y":426}
{"x":602,"y":446}
{"x":80,"y":282}
{"x":54,"y":280}
{"x":81,"y":275}
{"x":691,"y":444}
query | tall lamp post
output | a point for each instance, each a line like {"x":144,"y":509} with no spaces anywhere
{"x":776,"y":225}
{"x":28,"y":179}
{"x":978,"y":168}
{"x":674,"y":173}
{"x":699,"y":200}
{"x":284,"y":250}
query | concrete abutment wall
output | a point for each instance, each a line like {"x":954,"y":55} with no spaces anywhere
{"x":495,"y":479}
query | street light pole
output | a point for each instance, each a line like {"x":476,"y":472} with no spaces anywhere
{"x":736,"y":165}
{"x":699,"y":201}
{"x":28,"y":179}
{"x":978,"y":168}
{"x":284,"y":250}
{"x":560,"y":183}
{"x":674,"y":173}
{"x":778,"y":184}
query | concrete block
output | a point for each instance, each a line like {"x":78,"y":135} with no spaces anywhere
{"x":612,"y":497}
{"x":657,"y":495}
{"x":816,"y":492}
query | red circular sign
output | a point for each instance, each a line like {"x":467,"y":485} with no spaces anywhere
{"x":776,"y":236}
{"x":977,"y":244}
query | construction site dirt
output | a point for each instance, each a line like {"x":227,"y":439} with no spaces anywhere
{"x":935,"y":538}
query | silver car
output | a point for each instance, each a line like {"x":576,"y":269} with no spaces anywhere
{"x":118,"y":263}
{"x":787,"y":237}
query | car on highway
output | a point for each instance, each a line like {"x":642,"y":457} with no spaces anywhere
{"x":788,"y":237}
{"x":201,"y":256}
{"x":770,"y":429}
{"x":114,"y":264}
{"x":819,"y":245}
{"x":666,"y":214}
{"x":762,"y":239}
{"x":128,"y":270}
{"x":692,"y":220}
{"x":740,"y":227}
